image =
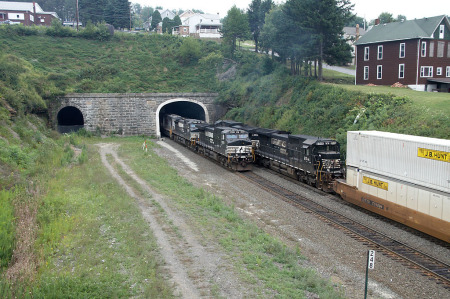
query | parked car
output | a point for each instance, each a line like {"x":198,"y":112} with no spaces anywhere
{"x":9,"y":22}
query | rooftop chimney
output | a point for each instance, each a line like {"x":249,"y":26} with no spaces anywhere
{"x":377,"y":22}
{"x":357,"y":31}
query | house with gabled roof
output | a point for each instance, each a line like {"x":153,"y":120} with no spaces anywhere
{"x":26,"y":13}
{"x":200,"y":26}
{"x":415,"y":53}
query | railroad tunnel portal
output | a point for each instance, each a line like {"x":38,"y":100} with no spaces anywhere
{"x":183,"y":107}
{"x":130,"y":113}
{"x":70,"y":119}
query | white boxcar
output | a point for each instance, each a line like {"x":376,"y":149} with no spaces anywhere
{"x":418,"y":160}
{"x":433,"y":203}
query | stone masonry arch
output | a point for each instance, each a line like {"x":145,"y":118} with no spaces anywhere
{"x":131,"y":113}
{"x":158,"y":110}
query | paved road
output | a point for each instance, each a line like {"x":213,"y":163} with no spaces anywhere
{"x":340,"y":69}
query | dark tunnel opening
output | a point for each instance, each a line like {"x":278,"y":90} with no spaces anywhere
{"x":70,"y":119}
{"x":184,"y":109}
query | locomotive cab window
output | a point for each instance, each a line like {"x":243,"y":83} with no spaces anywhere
{"x":327,"y":148}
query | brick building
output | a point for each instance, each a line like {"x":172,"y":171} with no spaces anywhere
{"x":26,"y":13}
{"x":414,"y":53}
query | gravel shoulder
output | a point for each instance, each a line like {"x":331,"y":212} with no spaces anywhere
{"x":196,"y":270}
{"x":332,"y":253}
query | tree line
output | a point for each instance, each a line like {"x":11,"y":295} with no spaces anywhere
{"x":303,"y":32}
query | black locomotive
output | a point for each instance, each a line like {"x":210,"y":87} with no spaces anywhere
{"x":227,"y":145}
{"x":313,"y":160}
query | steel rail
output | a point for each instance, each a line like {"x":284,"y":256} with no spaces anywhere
{"x":436,"y":270}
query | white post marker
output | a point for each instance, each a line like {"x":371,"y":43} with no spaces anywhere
{"x":370,"y":265}
{"x":371,"y":261}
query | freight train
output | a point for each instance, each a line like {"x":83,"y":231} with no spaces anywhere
{"x":229,"y":146}
{"x":404,"y":178}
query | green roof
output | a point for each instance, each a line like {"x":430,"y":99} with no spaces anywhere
{"x":412,"y":29}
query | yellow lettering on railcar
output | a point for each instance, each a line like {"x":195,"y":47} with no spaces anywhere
{"x":375,"y":183}
{"x":433,"y":155}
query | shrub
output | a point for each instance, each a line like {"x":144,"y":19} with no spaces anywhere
{"x":7,"y":228}
{"x":20,"y":30}
{"x":189,"y":51}
{"x":57,"y":29}
{"x":100,"y":32}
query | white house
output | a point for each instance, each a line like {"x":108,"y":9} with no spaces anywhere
{"x":203,"y":25}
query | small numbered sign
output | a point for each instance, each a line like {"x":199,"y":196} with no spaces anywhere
{"x":371,"y":260}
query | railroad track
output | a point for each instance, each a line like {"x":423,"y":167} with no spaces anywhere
{"x":434,"y":269}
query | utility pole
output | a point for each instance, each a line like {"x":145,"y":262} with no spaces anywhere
{"x":77,"y":15}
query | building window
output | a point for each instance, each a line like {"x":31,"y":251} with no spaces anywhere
{"x":380,"y":52}
{"x":379,"y":71}
{"x":447,"y":73}
{"x":366,"y":73}
{"x":402,"y":50}
{"x":426,"y":71}
{"x":401,"y":71}
{"x":441,"y":31}
{"x":424,"y":49}
{"x":431,"y":49}
{"x":366,"y":53}
{"x":440,"y":49}
{"x":438,"y":71}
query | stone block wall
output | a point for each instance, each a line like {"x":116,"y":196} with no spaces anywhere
{"x":131,"y":113}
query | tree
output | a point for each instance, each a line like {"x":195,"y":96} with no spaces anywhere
{"x":156,"y":19}
{"x":167,"y":25}
{"x":177,"y":21}
{"x":285,"y":39}
{"x":356,"y":20}
{"x":92,"y":10}
{"x":323,"y":19}
{"x":256,"y":16}
{"x":386,"y":17}
{"x":234,"y":27}
{"x":401,"y":18}
{"x":117,"y":13}
{"x":146,"y":13}
{"x":189,"y":51}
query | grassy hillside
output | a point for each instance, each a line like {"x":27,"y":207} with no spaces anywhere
{"x":269,"y":97}
{"x":124,"y":63}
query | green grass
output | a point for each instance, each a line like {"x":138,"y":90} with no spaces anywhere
{"x":432,"y":101}
{"x":337,"y":77}
{"x":7,"y":228}
{"x":256,"y":256}
{"x":92,"y":241}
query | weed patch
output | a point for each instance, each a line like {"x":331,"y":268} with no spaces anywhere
{"x":7,"y":227}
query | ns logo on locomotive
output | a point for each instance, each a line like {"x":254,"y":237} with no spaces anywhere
{"x":313,"y":160}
